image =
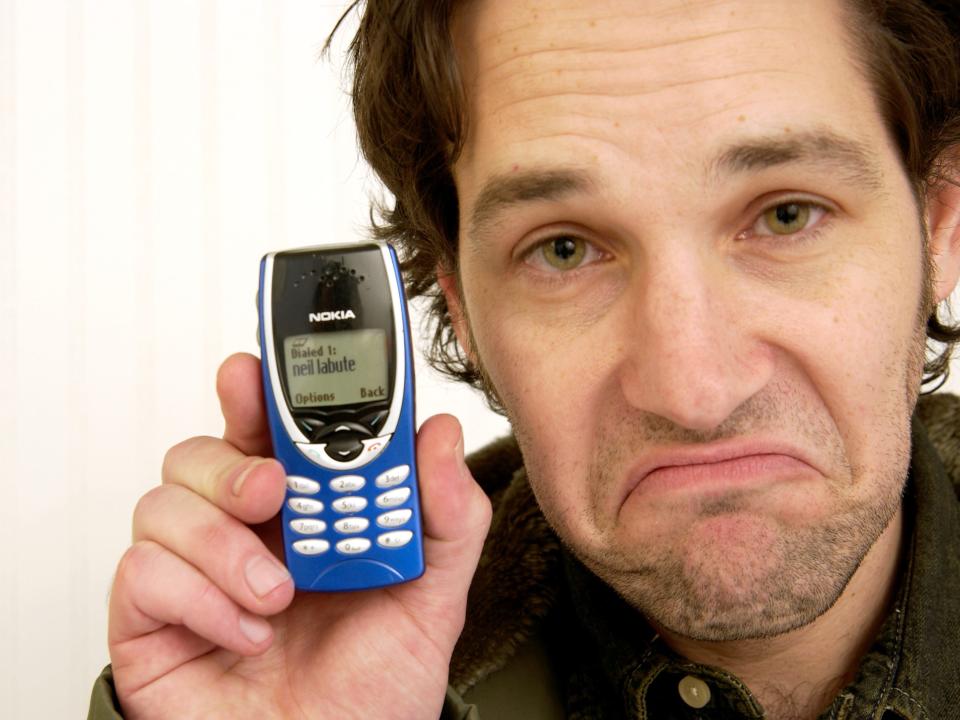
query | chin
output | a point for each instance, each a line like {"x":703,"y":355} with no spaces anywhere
{"x":741,"y":578}
{"x":727,"y":611}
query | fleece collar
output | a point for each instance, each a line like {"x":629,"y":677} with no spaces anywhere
{"x":524,"y":575}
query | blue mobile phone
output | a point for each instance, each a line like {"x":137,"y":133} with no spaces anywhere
{"x":338,"y":385}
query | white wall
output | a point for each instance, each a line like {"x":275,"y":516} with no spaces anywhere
{"x":150,"y":152}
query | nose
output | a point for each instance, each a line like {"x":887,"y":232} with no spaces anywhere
{"x":693,"y":353}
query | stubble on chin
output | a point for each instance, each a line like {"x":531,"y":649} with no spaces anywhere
{"x":764,"y":578}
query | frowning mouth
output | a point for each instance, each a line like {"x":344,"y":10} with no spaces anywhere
{"x":716,"y":468}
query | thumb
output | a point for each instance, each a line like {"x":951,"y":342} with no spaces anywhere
{"x":240,"y":389}
{"x":456,"y":511}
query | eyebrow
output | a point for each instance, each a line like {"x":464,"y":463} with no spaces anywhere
{"x":853,"y":159}
{"x":535,"y":185}
{"x":850,"y":157}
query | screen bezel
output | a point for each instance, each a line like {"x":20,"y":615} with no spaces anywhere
{"x":398,"y":357}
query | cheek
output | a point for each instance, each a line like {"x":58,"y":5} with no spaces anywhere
{"x":857,"y":347}
{"x":554,"y":374}
{"x":548,"y":372}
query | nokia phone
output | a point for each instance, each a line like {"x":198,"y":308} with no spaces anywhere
{"x":338,"y":384}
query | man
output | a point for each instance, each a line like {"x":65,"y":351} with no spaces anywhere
{"x":691,"y":248}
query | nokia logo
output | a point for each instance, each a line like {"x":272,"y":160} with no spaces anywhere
{"x":332,"y":315}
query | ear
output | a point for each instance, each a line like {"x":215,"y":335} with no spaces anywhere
{"x":943,"y":223}
{"x":450,"y":287}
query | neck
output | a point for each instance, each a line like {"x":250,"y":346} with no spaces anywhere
{"x":797,"y":674}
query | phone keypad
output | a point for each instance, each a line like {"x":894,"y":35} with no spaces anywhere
{"x":349,"y":504}
{"x":392,"y":498}
{"x":308,"y":526}
{"x":302,"y":485}
{"x":394,"y":518}
{"x":350,"y":525}
{"x":353,"y":546}
{"x":388,"y":518}
{"x":393,"y":476}
{"x":347,"y":483}
{"x":395,"y":539}
{"x":305,"y":506}
{"x":313,"y":546}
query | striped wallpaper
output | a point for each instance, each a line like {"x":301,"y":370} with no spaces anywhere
{"x":150,"y":152}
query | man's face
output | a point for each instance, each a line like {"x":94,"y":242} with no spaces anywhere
{"x":692,"y":267}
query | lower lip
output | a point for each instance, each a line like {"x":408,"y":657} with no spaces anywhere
{"x":740,"y":473}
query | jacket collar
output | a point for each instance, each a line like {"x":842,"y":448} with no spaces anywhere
{"x":910,"y":671}
{"x":924,"y":682}
{"x":522,"y":573}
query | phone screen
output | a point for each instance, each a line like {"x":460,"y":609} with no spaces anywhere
{"x":336,"y":368}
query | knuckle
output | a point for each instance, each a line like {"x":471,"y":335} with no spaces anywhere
{"x":486,"y":514}
{"x":483,"y":514}
{"x":137,"y":561}
{"x":215,"y":535}
{"x":206,"y":592}
{"x":175,"y":458}
{"x":147,"y":505}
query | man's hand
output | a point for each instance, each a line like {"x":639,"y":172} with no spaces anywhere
{"x":204,"y":620}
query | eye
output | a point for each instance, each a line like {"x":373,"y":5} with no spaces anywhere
{"x":788,"y":218}
{"x":562,"y":252}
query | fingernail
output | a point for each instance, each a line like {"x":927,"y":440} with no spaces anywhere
{"x":255,"y":629}
{"x":244,"y":474}
{"x":265,"y":575}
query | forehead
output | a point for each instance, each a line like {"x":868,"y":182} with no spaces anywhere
{"x":659,"y":83}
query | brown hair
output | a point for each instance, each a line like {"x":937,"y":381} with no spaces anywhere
{"x":408,"y":104}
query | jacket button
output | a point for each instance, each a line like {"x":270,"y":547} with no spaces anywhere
{"x":694,"y":691}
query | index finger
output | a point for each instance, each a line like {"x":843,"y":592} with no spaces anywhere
{"x":240,"y":389}
{"x":250,"y":488}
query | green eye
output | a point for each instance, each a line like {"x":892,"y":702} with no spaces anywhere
{"x":788,"y":218}
{"x":564,"y":252}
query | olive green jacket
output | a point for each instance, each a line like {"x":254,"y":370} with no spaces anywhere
{"x":546,"y":639}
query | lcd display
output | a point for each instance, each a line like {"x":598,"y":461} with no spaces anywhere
{"x":336,"y":368}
